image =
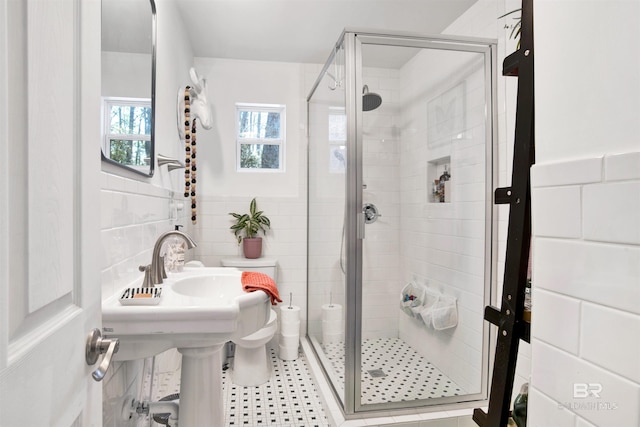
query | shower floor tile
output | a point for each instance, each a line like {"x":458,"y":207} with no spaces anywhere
{"x":288,"y":399}
{"x":392,"y":371}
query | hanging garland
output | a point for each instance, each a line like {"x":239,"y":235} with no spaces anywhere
{"x":190,"y":154}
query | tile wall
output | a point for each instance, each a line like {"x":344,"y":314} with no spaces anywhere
{"x":586,"y":371}
{"x":585,"y":364}
{"x":136,"y":210}
{"x":444,"y":243}
{"x":381,"y":250}
{"x":285,"y":241}
{"x":134,"y":214}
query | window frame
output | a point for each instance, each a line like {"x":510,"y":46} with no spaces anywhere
{"x":107,"y":103}
{"x":280,"y":142}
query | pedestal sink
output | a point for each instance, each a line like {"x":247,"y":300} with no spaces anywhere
{"x":199,"y":311}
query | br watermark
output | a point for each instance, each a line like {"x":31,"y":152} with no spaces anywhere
{"x":587,"y":397}
{"x":586,"y":390}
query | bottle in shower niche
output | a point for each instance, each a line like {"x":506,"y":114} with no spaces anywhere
{"x":436,"y":190}
{"x":445,"y":186}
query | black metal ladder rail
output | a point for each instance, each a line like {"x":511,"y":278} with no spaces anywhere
{"x":509,"y":318}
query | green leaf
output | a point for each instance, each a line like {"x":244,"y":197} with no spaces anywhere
{"x":250,"y":224}
{"x":509,"y":13}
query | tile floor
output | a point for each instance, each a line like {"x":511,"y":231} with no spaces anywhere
{"x":392,"y":372}
{"x":289,"y":398}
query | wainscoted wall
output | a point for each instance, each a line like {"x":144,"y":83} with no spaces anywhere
{"x":136,"y":210}
{"x":134,"y":214}
{"x":285,"y":241}
{"x":281,"y":195}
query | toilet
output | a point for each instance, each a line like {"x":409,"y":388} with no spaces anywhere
{"x":251,"y":365}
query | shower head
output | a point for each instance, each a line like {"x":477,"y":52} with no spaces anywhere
{"x":370,"y":101}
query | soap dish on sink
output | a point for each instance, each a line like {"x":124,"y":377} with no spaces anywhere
{"x":141,"y":296}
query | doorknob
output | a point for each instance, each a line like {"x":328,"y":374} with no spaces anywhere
{"x":96,"y":345}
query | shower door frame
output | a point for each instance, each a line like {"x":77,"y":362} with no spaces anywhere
{"x":352,"y":40}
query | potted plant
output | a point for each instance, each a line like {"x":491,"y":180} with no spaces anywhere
{"x":250,"y":224}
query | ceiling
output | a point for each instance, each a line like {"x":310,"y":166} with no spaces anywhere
{"x":303,"y":31}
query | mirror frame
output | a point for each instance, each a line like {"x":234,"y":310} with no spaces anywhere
{"x":153,"y":106}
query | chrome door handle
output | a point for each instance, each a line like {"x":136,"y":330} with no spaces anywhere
{"x":96,"y":345}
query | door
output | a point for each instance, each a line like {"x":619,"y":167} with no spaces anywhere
{"x":421,"y":164}
{"x":49,"y":189}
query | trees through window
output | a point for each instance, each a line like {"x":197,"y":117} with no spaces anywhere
{"x":260,"y":137}
{"x":127,"y":130}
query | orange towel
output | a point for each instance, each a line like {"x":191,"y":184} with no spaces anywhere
{"x":254,"y":281}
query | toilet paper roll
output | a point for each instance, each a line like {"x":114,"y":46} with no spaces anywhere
{"x":332,"y":326}
{"x":288,"y":353}
{"x":289,"y":314}
{"x":331,"y":338}
{"x":289,"y":341}
{"x":289,"y":328}
{"x":331,"y":312}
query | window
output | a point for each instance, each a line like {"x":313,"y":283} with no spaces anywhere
{"x":337,"y":140}
{"x":260,"y":137}
{"x":127,"y":131}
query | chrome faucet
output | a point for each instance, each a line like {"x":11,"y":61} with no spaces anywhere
{"x":154,"y":273}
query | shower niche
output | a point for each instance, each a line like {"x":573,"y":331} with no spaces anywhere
{"x":439,"y":180}
{"x":388,"y":360}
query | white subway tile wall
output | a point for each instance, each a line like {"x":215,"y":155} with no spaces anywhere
{"x":285,"y":240}
{"x":586,"y":316}
{"x":134,"y":214}
{"x":443,"y":243}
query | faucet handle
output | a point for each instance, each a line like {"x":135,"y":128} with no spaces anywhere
{"x":146,"y":283}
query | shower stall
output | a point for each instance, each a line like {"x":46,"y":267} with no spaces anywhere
{"x":401,"y":229}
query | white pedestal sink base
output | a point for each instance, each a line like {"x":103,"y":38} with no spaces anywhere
{"x":201,"y":399}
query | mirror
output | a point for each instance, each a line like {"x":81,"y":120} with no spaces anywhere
{"x":128,"y":84}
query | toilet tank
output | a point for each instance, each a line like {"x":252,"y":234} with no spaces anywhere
{"x":264,"y":265}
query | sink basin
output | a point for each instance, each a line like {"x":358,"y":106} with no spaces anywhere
{"x":200,"y":307}
{"x":218,"y":287}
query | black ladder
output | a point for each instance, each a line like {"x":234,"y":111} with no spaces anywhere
{"x":511,"y":326}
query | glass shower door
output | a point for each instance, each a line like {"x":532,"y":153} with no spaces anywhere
{"x":326,"y":214}
{"x":400,"y":219}
{"x":424,"y":145}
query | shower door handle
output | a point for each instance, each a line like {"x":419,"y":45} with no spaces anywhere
{"x":360,"y":226}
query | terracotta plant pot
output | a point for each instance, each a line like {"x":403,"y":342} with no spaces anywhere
{"x":252,"y":247}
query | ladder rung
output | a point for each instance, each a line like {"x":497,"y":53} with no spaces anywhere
{"x":511,"y":64}
{"x":492,"y":315}
{"x":480,"y":417}
{"x":502,"y":196}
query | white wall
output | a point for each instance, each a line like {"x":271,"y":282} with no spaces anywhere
{"x":135,"y":210}
{"x":586,"y":227}
{"x":447,"y":249}
{"x":282,"y":196}
{"x":381,"y":251}
{"x":126,"y":74}
{"x":443,"y":243}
